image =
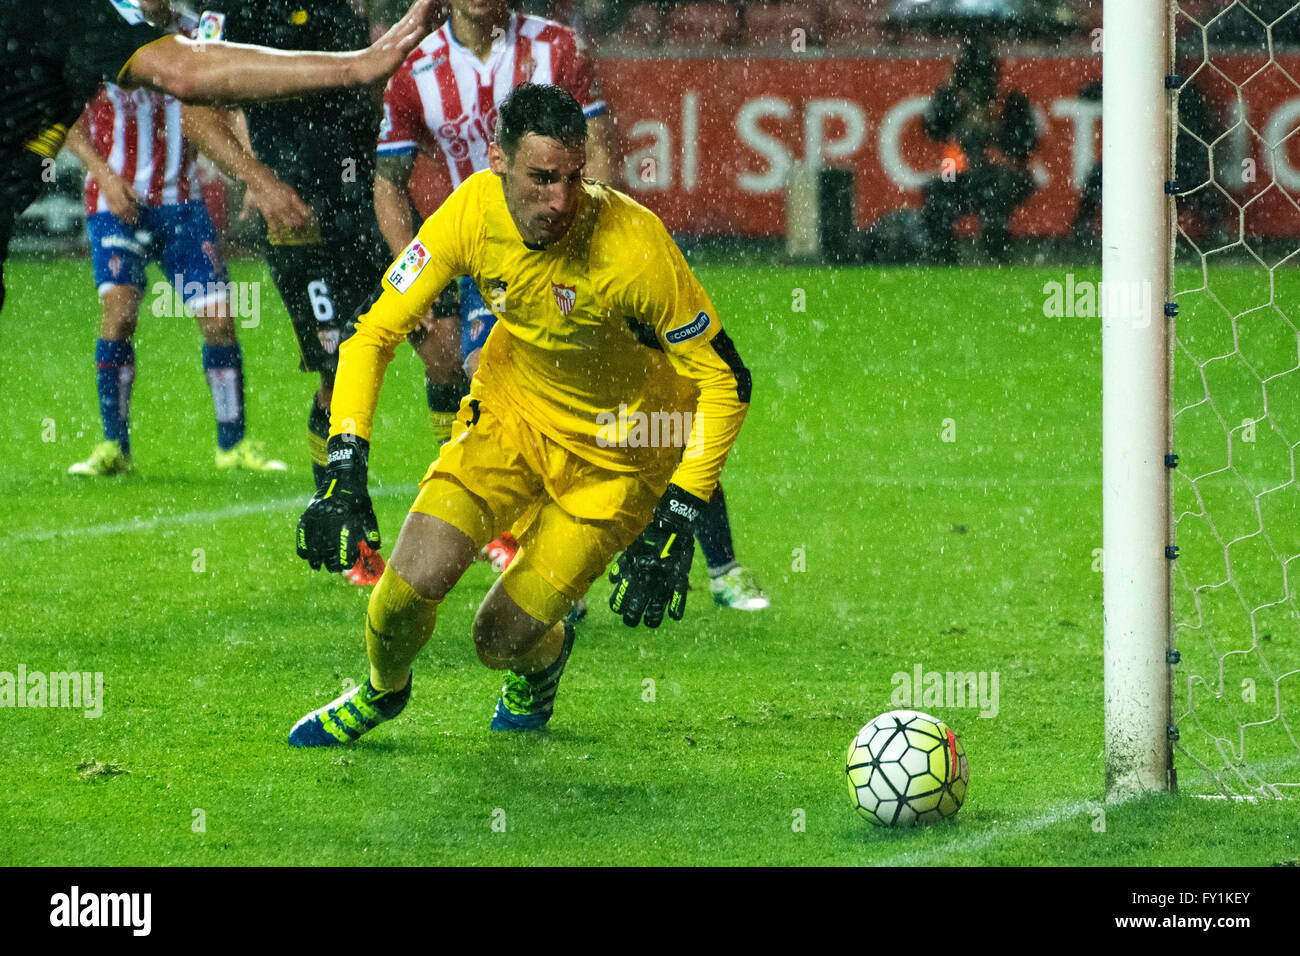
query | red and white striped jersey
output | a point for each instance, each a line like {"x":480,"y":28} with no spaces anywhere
{"x":138,"y":133}
{"x":446,"y":96}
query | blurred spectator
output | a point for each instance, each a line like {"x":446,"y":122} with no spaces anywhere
{"x":1087,"y":227}
{"x":1198,"y":126}
{"x":987,"y":142}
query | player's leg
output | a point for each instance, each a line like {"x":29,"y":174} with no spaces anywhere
{"x":118,"y":257}
{"x":437,"y":342}
{"x":447,"y":526}
{"x":318,"y":426}
{"x":319,"y":293}
{"x":731,"y":584}
{"x":526,"y":625}
{"x":304,"y":276}
{"x":355,"y":270}
{"x":428,"y":560}
{"x":531,"y":646}
{"x":191,"y":258}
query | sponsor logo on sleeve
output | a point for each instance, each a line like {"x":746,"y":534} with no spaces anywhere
{"x":682,"y":333}
{"x":211,"y":26}
{"x":408,"y":266}
{"x":129,"y":10}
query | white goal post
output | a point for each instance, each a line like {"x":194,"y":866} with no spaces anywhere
{"x":1136,"y":429}
{"x":1201,"y":397}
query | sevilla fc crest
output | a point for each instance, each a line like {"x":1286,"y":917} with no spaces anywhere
{"x":565,"y":296}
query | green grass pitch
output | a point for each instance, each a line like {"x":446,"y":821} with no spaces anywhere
{"x":883,"y":545}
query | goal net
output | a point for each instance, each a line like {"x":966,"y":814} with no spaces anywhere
{"x":1235,"y":390}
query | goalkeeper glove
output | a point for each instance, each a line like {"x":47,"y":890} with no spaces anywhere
{"x":652,"y":574}
{"x":339,"y":515}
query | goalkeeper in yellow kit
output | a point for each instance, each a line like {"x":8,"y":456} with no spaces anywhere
{"x":603,"y":333}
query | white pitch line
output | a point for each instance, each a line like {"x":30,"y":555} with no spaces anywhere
{"x":948,"y":851}
{"x":182,"y":518}
{"x":1008,"y":484}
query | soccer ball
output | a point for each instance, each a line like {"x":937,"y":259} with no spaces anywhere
{"x":906,"y":767}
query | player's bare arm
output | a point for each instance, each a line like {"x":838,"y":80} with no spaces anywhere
{"x":393,"y":199}
{"x":216,"y":72}
{"x":122,"y":199}
{"x":600,"y":150}
{"x":212,"y":132}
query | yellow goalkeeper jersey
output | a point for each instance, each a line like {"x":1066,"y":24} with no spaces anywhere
{"x":605,"y":340}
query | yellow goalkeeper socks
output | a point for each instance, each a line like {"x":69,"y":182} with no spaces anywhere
{"x":398,"y":623}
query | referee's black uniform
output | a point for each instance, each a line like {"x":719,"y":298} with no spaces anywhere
{"x":53,"y":56}
{"x":324,"y":146}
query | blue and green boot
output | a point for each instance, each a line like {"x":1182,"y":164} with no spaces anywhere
{"x":528,"y":700}
{"x":341,"y":721}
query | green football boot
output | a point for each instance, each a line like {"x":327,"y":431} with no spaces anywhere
{"x":343,"y":720}
{"x":247,"y":455}
{"x":528,"y":700}
{"x":106,"y":459}
{"x":737,"y":589}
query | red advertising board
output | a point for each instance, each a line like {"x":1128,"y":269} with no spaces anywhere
{"x":708,"y":143}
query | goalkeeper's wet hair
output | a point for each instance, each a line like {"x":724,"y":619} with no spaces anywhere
{"x":545,"y":110}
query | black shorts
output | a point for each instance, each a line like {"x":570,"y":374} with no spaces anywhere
{"x":20,"y":185}
{"x":324,"y":286}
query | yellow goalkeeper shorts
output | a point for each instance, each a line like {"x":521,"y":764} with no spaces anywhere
{"x":498,"y":470}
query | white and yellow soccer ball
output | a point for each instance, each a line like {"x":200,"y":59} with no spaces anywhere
{"x":906,"y":767}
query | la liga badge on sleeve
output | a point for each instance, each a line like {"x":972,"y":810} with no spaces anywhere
{"x":408,"y":266}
